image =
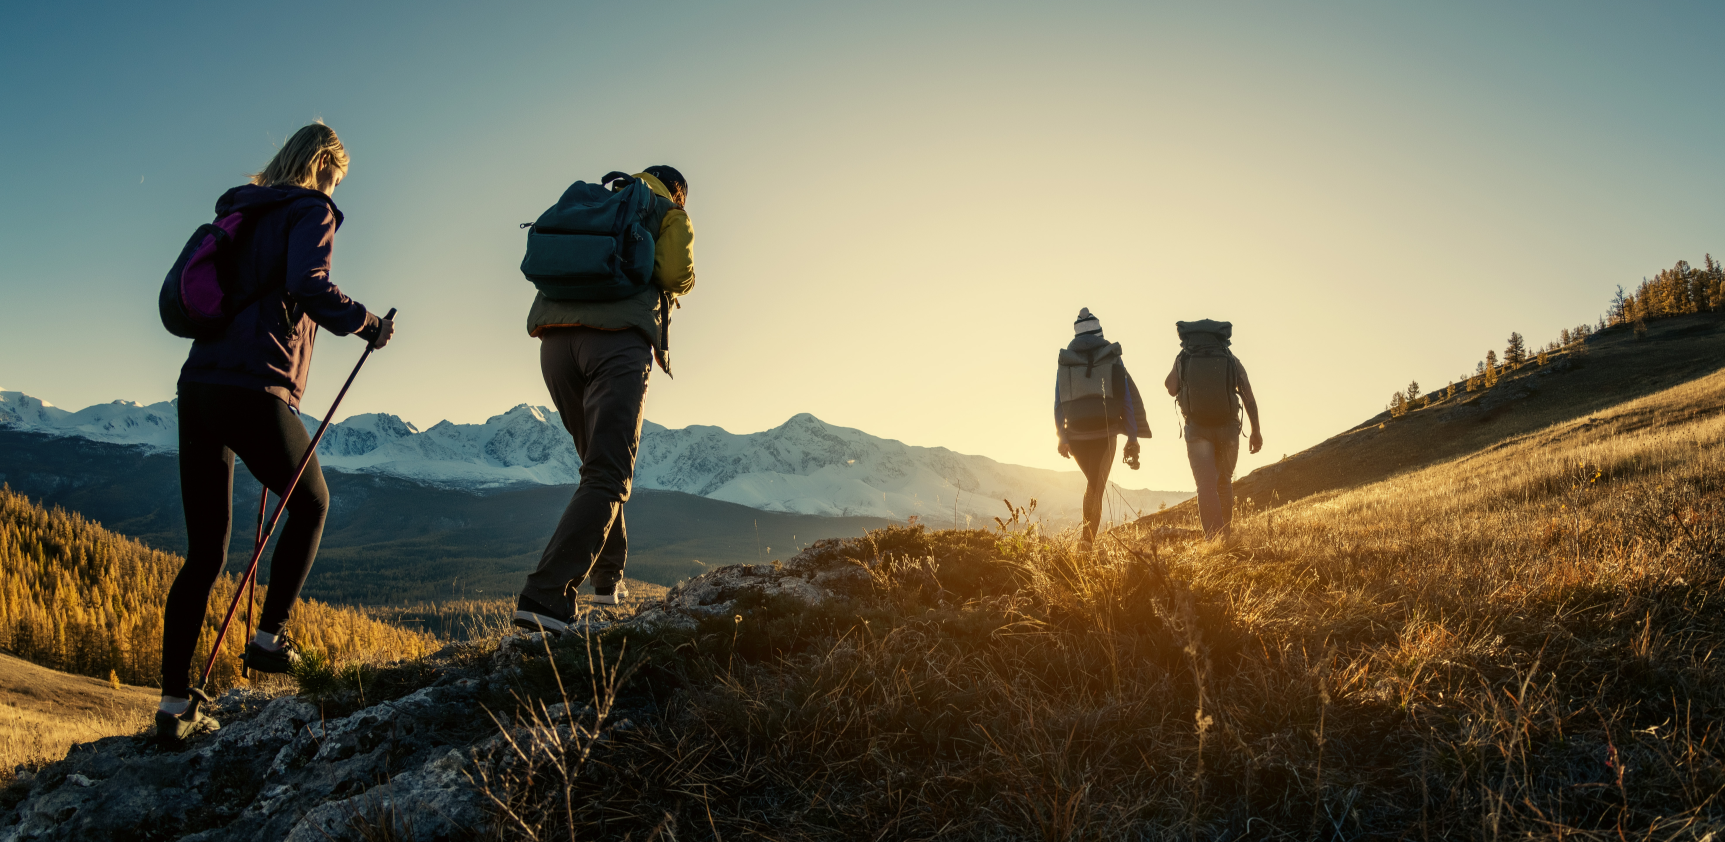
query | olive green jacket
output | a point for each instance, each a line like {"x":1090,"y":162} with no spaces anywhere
{"x":647,"y":311}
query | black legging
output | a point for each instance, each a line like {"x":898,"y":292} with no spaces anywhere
{"x":217,"y":422}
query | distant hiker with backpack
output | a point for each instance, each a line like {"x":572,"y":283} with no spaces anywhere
{"x":1095,"y":401}
{"x":1211,"y":386}
{"x":252,"y":289}
{"x":610,"y":260}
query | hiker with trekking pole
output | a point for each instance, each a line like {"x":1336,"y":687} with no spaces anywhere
{"x":252,"y":289}
{"x":1211,"y":387}
{"x":610,"y":260}
{"x":1095,"y":401}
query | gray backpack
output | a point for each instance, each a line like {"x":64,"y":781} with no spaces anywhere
{"x":1208,"y":396}
{"x":1092,"y":394}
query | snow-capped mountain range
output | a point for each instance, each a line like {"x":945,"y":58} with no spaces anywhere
{"x":804,"y":465}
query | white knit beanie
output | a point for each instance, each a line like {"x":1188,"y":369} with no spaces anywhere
{"x":1086,"y":323}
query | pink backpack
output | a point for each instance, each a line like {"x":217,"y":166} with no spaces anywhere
{"x":201,"y":295}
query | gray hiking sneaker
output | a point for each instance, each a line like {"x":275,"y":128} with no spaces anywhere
{"x":281,"y":661}
{"x":612,"y":594}
{"x":173,"y":730}
{"x":533,"y":616}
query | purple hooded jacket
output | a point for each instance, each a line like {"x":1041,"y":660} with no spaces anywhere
{"x":268,"y":345}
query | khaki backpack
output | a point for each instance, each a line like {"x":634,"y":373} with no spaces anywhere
{"x":1092,"y":396}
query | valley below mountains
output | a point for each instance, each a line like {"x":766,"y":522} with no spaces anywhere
{"x":464,"y":509}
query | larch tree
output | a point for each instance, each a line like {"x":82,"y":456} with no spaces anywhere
{"x":1515,"y":353}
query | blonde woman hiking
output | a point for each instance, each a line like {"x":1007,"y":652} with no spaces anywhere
{"x":239,"y":394}
{"x":1095,"y":401}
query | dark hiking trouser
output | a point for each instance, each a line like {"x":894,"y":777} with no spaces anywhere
{"x":217,"y":422}
{"x":1095,"y":457}
{"x":598,"y":380}
{"x":1213,"y":451}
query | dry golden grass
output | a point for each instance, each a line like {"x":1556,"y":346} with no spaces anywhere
{"x":1515,"y":644}
{"x":44,"y":712}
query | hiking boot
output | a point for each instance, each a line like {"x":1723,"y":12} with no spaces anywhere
{"x":172,"y":730}
{"x":533,"y":616}
{"x":612,"y":594}
{"x":281,"y":661}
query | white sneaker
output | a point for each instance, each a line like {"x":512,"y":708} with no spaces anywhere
{"x":614,"y":596}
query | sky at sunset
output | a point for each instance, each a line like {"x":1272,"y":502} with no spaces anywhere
{"x":899,"y":207}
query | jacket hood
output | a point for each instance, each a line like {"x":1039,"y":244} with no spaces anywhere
{"x":658,"y":187}
{"x":1086,"y":343}
{"x":1089,"y":349}
{"x":252,"y":197}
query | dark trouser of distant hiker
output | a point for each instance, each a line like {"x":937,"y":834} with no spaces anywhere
{"x":1213,"y":452}
{"x":1212,"y":388}
{"x":1095,"y":401}
{"x":1094,"y":457}
{"x":598,"y":380}
{"x":596,"y":352}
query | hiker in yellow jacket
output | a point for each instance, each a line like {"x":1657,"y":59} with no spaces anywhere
{"x":596,"y":357}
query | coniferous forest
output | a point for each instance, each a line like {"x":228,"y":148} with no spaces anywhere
{"x":79,"y":598}
{"x":1679,"y":291}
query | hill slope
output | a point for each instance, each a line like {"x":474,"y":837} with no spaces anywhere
{"x":43,"y":712}
{"x":1615,"y":368}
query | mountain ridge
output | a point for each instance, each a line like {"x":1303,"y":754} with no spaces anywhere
{"x":803,"y":466}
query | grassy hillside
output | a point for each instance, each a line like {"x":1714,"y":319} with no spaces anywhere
{"x":44,"y":712}
{"x":78,"y":598}
{"x":1611,"y":367}
{"x":1515,"y":642}
{"x":389,"y":540}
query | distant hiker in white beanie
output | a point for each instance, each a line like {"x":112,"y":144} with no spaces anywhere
{"x":1095,"y":401}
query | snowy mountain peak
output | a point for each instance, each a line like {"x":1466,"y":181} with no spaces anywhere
{"x":122,"y":422}
{"x":523,"y":410}
{"x":804,"y":465}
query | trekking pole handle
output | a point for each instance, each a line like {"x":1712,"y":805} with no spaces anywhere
{"x":388,"y":317}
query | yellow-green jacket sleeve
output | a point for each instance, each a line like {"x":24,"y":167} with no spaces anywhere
{"x":674,"y":254}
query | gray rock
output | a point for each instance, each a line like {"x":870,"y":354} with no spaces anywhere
{"x":280,"y":768}
{"x":714,"y":594}
{"x":277,"y":769}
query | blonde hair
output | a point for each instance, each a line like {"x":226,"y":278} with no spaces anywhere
{"x":298,"y":161}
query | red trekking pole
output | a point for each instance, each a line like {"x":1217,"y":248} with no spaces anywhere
{"x":266,"y":530}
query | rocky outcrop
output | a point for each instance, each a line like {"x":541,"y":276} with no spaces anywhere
{"x":279,"y":768}
{"x":806,"y":579}
{"x":282,"y":767}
